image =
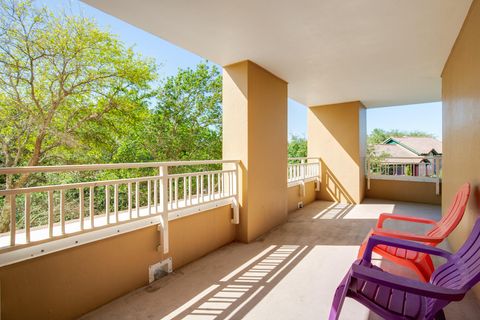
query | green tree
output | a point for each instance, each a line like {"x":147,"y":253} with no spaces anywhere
{"x":379,"y":135}
{"x":64,"y":83}
{"x":297,"y":147}
{"x":186,"y":122}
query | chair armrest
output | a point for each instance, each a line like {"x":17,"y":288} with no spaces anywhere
{"x":390,"y":216}
{"x":413,"y":286}
{"x":406,"y":235}
{"x":375,"y":240}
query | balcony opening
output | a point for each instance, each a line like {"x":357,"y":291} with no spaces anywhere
{"x":404,"y":144}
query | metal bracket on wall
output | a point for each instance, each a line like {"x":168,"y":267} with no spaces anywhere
{"x":236,"y":211}
{"x":301,"y":189}
{"x":317,"y":184}
{"x":162,"y":228}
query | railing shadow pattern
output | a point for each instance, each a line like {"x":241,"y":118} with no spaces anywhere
{"x":235,"y":295}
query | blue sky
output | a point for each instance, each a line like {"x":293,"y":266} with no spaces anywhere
{"x":426,"y":117}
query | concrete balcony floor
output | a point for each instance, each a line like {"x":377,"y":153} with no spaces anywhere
{"x":289,"y":273}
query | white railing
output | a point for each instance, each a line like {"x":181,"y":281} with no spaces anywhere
{"x":76,"y":213}
{"x":422,"y":169}
{"x":162,"y":192}
{"x":302,"y":170}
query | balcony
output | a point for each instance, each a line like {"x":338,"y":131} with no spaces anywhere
{"x":256,"y":235}
{"x":183,"y":216}
{"x":290,"y":273}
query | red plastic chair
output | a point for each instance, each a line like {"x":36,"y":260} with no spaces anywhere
{"x":421,"y":263}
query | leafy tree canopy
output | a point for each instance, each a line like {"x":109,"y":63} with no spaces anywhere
{"x":71,"y":92}
{"x":297,"y":147}
{"x":63,"y":84}
{"x":379,"y":135}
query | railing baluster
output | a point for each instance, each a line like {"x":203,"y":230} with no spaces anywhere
{"x":170,"y":192}
{"x":62,"y":211}
{"x":197,"y":181}
{"x":129,"y":200}
{"x":50,"y":214}
{"x":81,"y":208}
{"x":184,"y":191}
{"x":190,"y":190}
{"x":176,"y":193}
{"x":115,"y":202}
{"x":137,"y":198}
{"x":28,"y":199}
{"x":92,"y":207}
{"x":209,"y":185}
{"x":201,"y":188}
{"x":13,"y":220}
{"x":212,"y":186}
{"x":149,"y":197}
{"x":222,"y":186}
{"x":107,"y":204}
{"x":155,"y":195}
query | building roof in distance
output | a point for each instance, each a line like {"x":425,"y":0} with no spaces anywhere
{"x":418,"y":145}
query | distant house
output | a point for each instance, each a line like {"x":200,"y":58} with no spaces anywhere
{"x":409,"y":155}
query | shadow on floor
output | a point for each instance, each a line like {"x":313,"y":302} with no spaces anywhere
{"x":233,"y":296}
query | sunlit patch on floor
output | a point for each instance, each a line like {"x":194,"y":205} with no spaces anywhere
{"x":233,"y":292}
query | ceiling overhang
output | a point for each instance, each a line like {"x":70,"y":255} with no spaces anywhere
{"x":381,"y":52}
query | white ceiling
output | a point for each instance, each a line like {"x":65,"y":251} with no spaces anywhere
{"x":382,"y":52}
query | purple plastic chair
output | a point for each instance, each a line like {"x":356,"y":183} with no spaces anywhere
{"x":395,"y":297}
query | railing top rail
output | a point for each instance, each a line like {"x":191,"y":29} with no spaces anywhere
{"x":98,"y":167}
{"x":76,"y":185}
{"x":306,"y":158}
{"x":417,"y":157}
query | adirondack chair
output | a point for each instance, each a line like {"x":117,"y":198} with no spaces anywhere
{"x":395,"y":297}
{"x":419,"y":262}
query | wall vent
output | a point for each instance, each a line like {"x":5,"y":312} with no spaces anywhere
{"x":159,"y":270}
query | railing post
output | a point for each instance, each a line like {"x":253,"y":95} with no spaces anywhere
{"x":164,"y":203}
{"x":369,"y":171}
{"x":236,"y":203}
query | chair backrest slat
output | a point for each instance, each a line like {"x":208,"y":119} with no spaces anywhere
{"x":461,"y":271}
{"x":454,"y":214}
{"x":465,"y":263}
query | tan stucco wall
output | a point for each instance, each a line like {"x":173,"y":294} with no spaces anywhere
{"x":461,"y":122}
{"x":69,"y":283}
{"x":410,"y":191}
{"x":336,"y":134}
{"x":295,"y":196}
{"x":255,"y":132}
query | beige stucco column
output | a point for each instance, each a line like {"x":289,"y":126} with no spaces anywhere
{"x":337,"y":135}
{"x":255,"y":132}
